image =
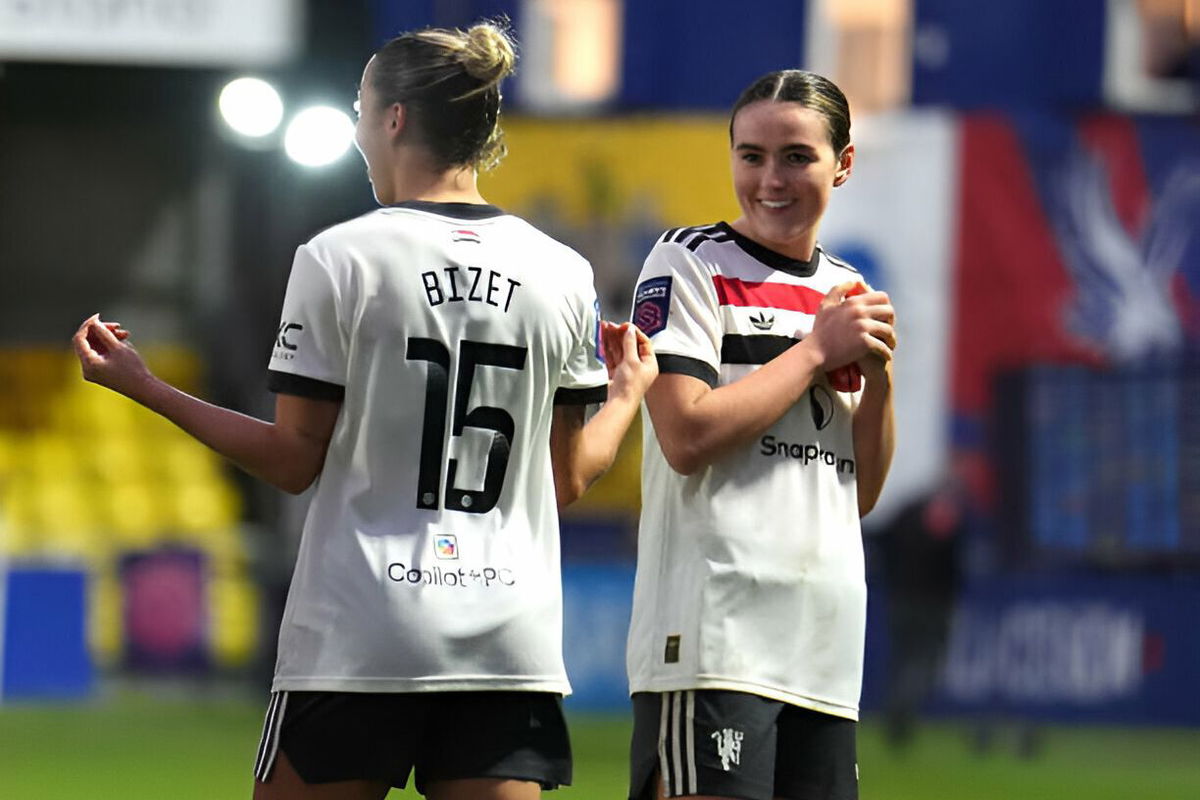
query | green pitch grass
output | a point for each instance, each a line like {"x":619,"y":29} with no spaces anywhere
{"x":138,"y":748}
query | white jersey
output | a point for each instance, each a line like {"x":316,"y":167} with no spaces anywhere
{"x":430,"y":554}
{"x":750,"y":571}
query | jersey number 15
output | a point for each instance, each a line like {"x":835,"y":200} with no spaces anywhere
{"x":437,"y":396}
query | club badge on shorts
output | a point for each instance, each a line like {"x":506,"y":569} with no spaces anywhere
{"x":651,"y":304}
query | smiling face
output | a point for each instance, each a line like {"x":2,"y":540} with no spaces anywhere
{"x":784,"y":169}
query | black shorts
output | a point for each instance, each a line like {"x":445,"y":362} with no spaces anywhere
{"x":340,"y":736}
{"x":733,"y":744}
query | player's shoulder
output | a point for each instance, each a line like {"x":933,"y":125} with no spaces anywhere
{"x":343,"y":234}
{"x":692,"y":237}
{"x":557,"y":262}
{"x":548,"y":244}
{"x":696,"y":250}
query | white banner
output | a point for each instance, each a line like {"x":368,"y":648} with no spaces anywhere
{"x":174,"y":32}
{"x":895,"y":220}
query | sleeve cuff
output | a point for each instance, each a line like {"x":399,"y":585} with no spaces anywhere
{"x":581,"y":397}
{"x":287,"y":383}
{"x":684,"y":365}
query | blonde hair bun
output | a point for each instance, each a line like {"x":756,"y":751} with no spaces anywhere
{"x":488,"y":53}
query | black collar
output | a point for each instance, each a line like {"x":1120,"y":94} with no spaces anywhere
{"x":455,"y":210}
{"x":774,"y":260}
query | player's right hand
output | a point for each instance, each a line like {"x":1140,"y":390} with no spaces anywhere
{"x":852,"y":326}
{"x":105,"y":357}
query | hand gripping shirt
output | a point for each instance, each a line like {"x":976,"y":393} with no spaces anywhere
{"x":750,"y":571}
{"x":429,"y":559}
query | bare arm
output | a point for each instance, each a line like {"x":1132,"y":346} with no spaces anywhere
{"x":566,"y":442}
{"x":874,"y":433}
{"x":581,"y":453}
{"x":696,"y":424}
{"x":287,"y":453}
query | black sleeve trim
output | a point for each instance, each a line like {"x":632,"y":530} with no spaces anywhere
{"x":581,"y":397}
{"x":685,"y":365}
{"x":313,"y":389}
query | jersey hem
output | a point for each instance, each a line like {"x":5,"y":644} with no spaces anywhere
{"x":791,"y":698}
{"x":406,"y":685}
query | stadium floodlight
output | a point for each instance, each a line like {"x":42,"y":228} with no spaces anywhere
{"x":318,"y":135}
{"x":251,"y":106}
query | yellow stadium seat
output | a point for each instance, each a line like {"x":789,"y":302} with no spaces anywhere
{"x":619,"y":490}
{"x":18,"y":535}
{"x":234,"y":631}
{"x":8,"y":455}
{"x":177,"y":365}
{"x":27,"y":412}
{"x":87,"y":474}
{"x":64,"y":503}
{"x":118,"y":458}
{"x":200,"y":505}
{"x":51,"y":456}
{"x":36,"y":370}
{"x":151,"y":426}
{"x":89,"y":409}
{"x":105,"y":628}
{"x":185,"y":459}
{"x":87,"y":546}
{"x":17,"y":500}
{"x":134,"y":514}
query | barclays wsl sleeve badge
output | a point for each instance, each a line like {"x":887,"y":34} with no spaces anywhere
{"x":651,"y":304}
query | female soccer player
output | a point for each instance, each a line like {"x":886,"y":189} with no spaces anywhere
{"x":764,"y":449}
{"x":431,"y":367}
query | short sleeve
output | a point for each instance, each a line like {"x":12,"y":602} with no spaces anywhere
{"x":675,"y":304}
{"x":584,"y":378}
{"x":309,"y":357}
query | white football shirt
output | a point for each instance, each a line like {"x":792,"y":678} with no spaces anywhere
{"x":430,"y":556}
{"x":750,"y":571}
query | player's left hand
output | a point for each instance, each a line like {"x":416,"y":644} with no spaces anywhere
{"x":629,"y":356}
{"x":105,"y":357}
{"x":872,"y":365}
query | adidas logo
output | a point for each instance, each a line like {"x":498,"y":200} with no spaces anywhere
{"x":762,"y":321}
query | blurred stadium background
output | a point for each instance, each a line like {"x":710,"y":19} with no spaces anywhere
{"x":1027,"y":189}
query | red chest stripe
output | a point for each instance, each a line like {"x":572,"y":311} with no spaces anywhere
{"x":735,"y":292}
